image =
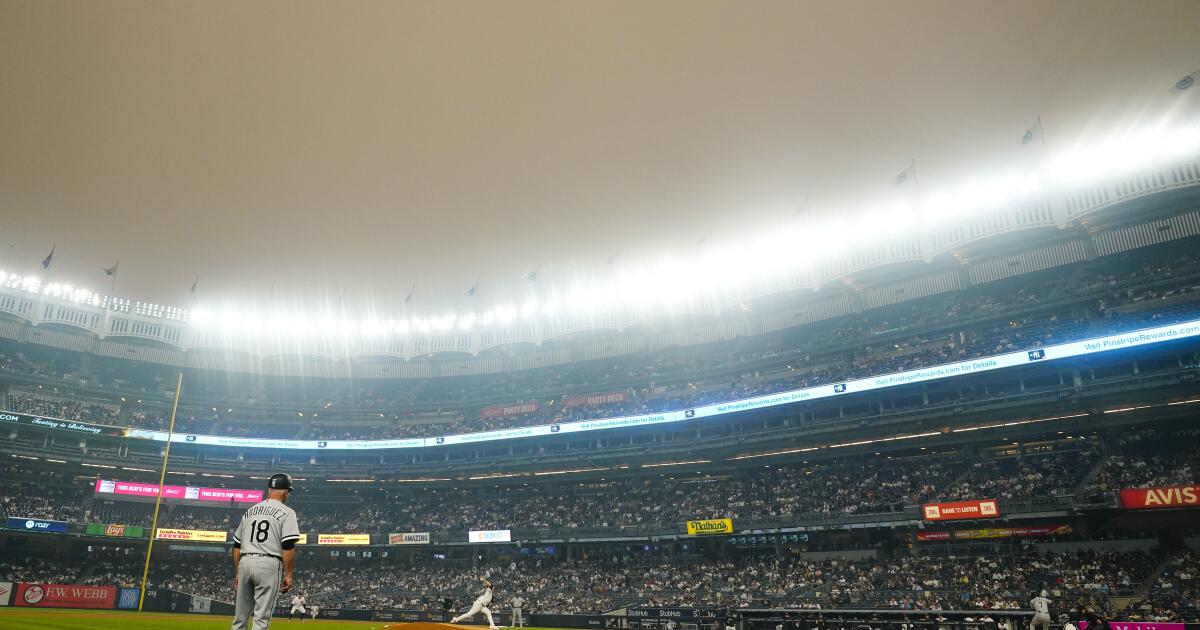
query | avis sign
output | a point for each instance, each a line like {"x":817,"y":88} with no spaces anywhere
{"x":986,"y":508}
{"x":1165,"y":497}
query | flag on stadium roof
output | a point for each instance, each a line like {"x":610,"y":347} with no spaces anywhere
{"x":408,"y":296}
{"x":194,"y":283}
{"x":49,"y":257}
{"x":907,"y":174}
{"x":1034,"y":132}
{"x":112,"y":271}
{"x":1185,"y":83}
{"x":801,"y":209}
{"x":474,"y":288}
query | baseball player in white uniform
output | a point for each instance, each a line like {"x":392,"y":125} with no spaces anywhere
{"x":313,"y":610}
{"x":1041,"y":612}
{"x":480,"y":605}
{"x":517,"y":603}
{"x":264,"y":552}
{"x":297,"y":607}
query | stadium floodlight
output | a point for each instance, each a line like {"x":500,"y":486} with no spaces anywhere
{"x":1121,"y":153}
{"x":375,"y":327}
{"x":719,"y":269}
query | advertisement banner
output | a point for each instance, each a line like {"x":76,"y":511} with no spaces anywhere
{"x":710,"y":526}
{"x":593,"y":400}
{"x":986,"y":508}
{"x":115,"y":530}
{"x":190,"y":493}
{"x":1138,"y":625}
{"x":998,"y":532}
{"x":65,"y":596}
{"x":37,"y":525}
{"x":127,"y":599}
{"x":675,"y":613}
{"x":343,"y":539}
{"x":191,"y":534}
{"x":409,"y":538}
{"x":1165,"y":497}
{"x":9,"y":417}
{"x":6,"y":590}
{"x":504,"y":411}
{"x":489,"y":536}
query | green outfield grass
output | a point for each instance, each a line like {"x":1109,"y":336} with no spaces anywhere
{"x":56,"y":619}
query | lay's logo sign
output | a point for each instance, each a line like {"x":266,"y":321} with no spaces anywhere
{"x":710,"y":526}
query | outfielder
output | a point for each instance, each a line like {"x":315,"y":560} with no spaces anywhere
{"x":264,"y":551}
{"x":480,"y":605}
{"x":1041,"y":612}
{"x":297,"y":607}
{"x":517,"y":603}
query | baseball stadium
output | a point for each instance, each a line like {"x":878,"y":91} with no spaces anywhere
{"x":417,"y":316}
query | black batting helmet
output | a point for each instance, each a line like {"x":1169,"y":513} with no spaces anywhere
{"x":280,"y":481}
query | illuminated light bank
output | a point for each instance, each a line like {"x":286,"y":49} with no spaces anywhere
{"x":1121,"y":341}
{"x":726,"y":266}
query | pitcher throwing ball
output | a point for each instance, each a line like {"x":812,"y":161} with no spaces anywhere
{"x":480,"y":605}
{"x":1041,"y":612}
{"x":264,"y":551}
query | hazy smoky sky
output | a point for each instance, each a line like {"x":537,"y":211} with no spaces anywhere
{"x":295,"y":150}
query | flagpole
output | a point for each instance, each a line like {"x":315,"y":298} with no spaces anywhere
{"x":162,"y":476}
{"x":916,"y":181}
{"x":1042,"y":132}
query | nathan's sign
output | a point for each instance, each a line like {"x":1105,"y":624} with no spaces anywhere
{"x":115,"y":530}
{"x":710,"y":526}
{"x":997,"y":532}
{"x":503,"y":411}
{"x":1165,"y":497}
{"x":409,"y":538}
{"x":191,"y":534}
{"x":343,"y":539}
{"x":986,"y":508}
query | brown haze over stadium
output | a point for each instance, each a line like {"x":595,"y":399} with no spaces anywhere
{"x":305,"y":149}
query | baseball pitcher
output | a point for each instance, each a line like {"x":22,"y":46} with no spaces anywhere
{"x":480,"y":605}
{"x":1041,"y":612}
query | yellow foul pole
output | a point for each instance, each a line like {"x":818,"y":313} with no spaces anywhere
{"x":162,"y":476}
